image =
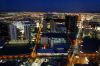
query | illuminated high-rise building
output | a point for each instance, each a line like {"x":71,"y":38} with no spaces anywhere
{"x":13,"y":32}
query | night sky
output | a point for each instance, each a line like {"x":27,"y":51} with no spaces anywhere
{"x":50,"y":5}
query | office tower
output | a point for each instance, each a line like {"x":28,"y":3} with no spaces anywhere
{"x":71,"y":25}
{"x":27,"y":31}
{"x":4,"y":33}
{"x":45,"y":26}
{"x":71,"y":22}
{"x":13,"y":32}
{"x":49,"y":21}
{"x":52,"y":25}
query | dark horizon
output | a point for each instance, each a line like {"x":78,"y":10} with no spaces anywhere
{"x":91,"y":6}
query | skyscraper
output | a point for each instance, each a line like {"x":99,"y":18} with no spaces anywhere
{"x":4,"y":32}
{"x":13,"y":32}
{"x":27,"y":31}
{"x":71,"y":25}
